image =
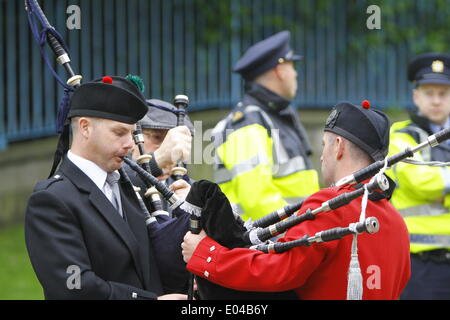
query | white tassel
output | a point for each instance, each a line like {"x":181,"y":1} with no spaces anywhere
{"x":355,"y":280}
{"x":354,"y":289}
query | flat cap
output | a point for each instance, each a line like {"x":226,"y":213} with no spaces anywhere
{"x":265,"y":55}
{"x":162,"y":115}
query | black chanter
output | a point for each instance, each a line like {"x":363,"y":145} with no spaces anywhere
{"x":169,"y":195}
{"x":157,"y":210}
{"x":149,"y":219}
{"x":181,"y":102}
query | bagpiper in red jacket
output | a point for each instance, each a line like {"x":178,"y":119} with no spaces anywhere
{"x":319,"y":271}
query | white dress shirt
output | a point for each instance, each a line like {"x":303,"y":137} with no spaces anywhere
{"x":93,"y":171}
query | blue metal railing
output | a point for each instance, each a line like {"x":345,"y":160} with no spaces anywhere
{"x":189,"y":47}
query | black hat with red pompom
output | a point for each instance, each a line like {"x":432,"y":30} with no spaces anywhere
{"x":366,"y":127}
{"x":113,"y":98}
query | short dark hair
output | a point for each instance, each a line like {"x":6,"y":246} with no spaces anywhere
{"x":356,"y":151}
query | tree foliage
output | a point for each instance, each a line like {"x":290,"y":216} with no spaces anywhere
{"x":421,"y":25}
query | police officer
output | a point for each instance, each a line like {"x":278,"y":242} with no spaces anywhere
{"x":85,"y":232}
{"x":423,"y":192}
{"x":261,"y":148}
{"x":354,"y":138}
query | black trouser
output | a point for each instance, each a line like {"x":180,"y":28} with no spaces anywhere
{"x":430,"y":276}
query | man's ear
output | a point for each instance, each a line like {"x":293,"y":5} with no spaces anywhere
{"x":339,"y":148}
{"x":84,"y":126}
{"x":278,"y":70}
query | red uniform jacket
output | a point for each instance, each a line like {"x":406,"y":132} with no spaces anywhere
{"x":319,"y":271}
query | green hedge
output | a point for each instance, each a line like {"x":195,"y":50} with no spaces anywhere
{"x":17,"y":278}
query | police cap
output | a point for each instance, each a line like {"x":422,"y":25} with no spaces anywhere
{"x":430,"y":68}
{"x":265,"y":55}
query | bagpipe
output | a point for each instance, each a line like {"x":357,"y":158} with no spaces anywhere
{"x":209,"y":209}
{"x":230,"y":231}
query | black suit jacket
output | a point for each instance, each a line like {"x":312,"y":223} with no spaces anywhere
{"x":70,"y":225}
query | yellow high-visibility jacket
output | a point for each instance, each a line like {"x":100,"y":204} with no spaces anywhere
{"x":261,"y":153}
{"x":422,"y":194}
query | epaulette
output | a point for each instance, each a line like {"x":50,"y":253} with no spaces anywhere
{"x":42,"y":185}
{"x":237,"y":116}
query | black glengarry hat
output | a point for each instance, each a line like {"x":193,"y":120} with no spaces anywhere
{"x":113,"y":98}
{"x":365,"y":127}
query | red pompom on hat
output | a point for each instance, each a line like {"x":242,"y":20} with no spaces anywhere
{"x":365,"y":104}
{"x":107,"y":79}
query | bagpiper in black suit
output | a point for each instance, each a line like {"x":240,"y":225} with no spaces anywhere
{"x":73,"y":230}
